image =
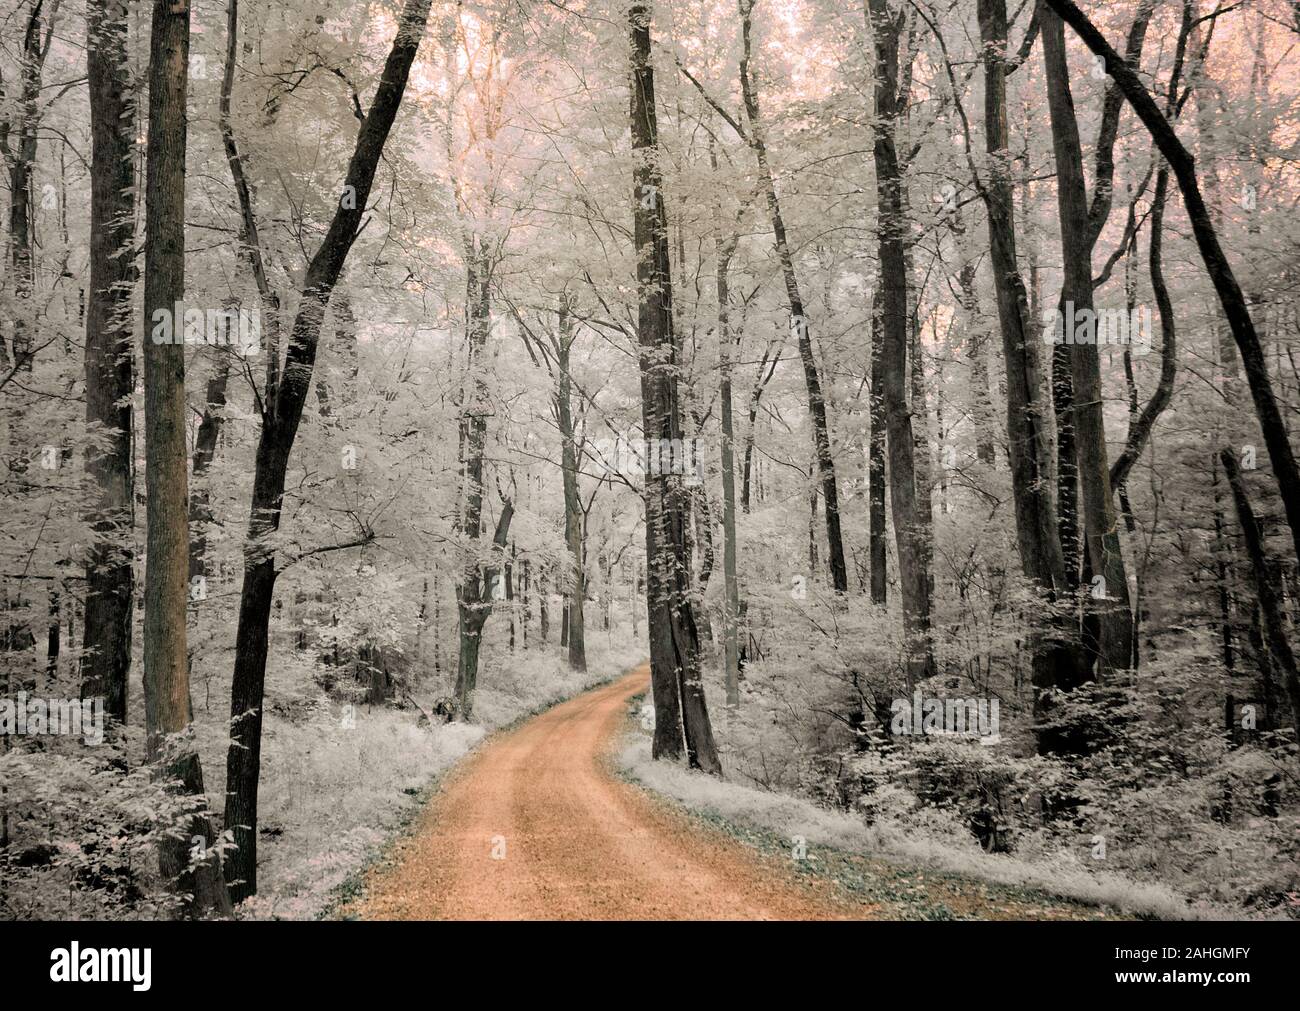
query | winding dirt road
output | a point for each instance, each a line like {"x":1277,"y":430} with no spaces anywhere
{"x":535,"y":825}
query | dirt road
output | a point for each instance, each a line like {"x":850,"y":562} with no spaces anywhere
{"x":536,"y":826}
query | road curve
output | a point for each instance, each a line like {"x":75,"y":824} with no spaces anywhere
{"x":534,"y":825}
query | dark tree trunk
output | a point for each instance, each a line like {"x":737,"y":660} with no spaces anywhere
{"x":280,"y":420}
{"x":576,"y":624}
{"x":678,"y":689}
{"x":876,"y":463}
{"x":20,"y":156}
{"x":475,"y":596}
{"x":911,"y":535}
{"x":205,"y":450}
{"x":1112,"y":606}
{"x":475,"y":605}
{"x":110,"y":358}
{"x":1028,"y":449}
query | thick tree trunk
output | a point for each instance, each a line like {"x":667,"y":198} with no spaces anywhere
{"x":280,"y":420}
{"x":110,"y":359}
{"x":20,"y":156}
{"x":910,"y":533}
{"x":1115,"y":642}
{"x":678,"y":689}
{"x":168,"y":713}
{"x":1028,"y":448}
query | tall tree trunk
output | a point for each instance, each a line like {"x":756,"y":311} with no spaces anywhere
{"x":474,"y":599}
{"x":723,"y":251}
{"x":798,"y":319}
{"x":1028,"y":447}
{"x":168,"y":712}
{"x":768,"y":362}
{"x":910,"y":533}
{"x":877,"y":534}
{"x":20,"y":156}
{"x":1115,"y":642}
{"x":281,"y":416}
{"x":573,"y":538}
{"x":110,"y":358}
{"x":677,"y":685}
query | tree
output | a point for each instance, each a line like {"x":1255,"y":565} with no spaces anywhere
{"x":168,"y":710}
{"x":573,"y":513}
{"x":1216,"y":263}
{"x":798,"y":318}
{"x":723,"y":251}
{"x":1106,"y":559}
{"x":1028,"y":448}
{"x":911,"y":536}
{"x":1271,"y":610}
{"x":18,"y":140}
{"x":680,"y":707}
{"x":281,"y":415}
{"x":110,"y":358}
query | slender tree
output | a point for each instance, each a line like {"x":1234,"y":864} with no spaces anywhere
{"x":799,"y":324}
{"x":281,"y":415}
{"x":573,"y":515}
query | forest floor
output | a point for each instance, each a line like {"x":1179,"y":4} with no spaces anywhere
{"x":537,"y":824}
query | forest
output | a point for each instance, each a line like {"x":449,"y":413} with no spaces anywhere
{"x":444,"y":442}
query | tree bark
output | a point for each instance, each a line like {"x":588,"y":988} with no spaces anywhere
{"x":680,"y":708}
{"x":1115,"y":642}
{"x":205,"y":451}
{"x":1028,"y":447}
{"x":474,"y":598}
{"x":110,"y":359}
{"x":168,"y":711}
{"x":577,"y":637}
{"x":474,"y":607}
{"x":1271,"y":609}
{"x":20,"y":156}
{"x":723,"y":251}
{"x":877,"y":534}
{"x":910,"y":534}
